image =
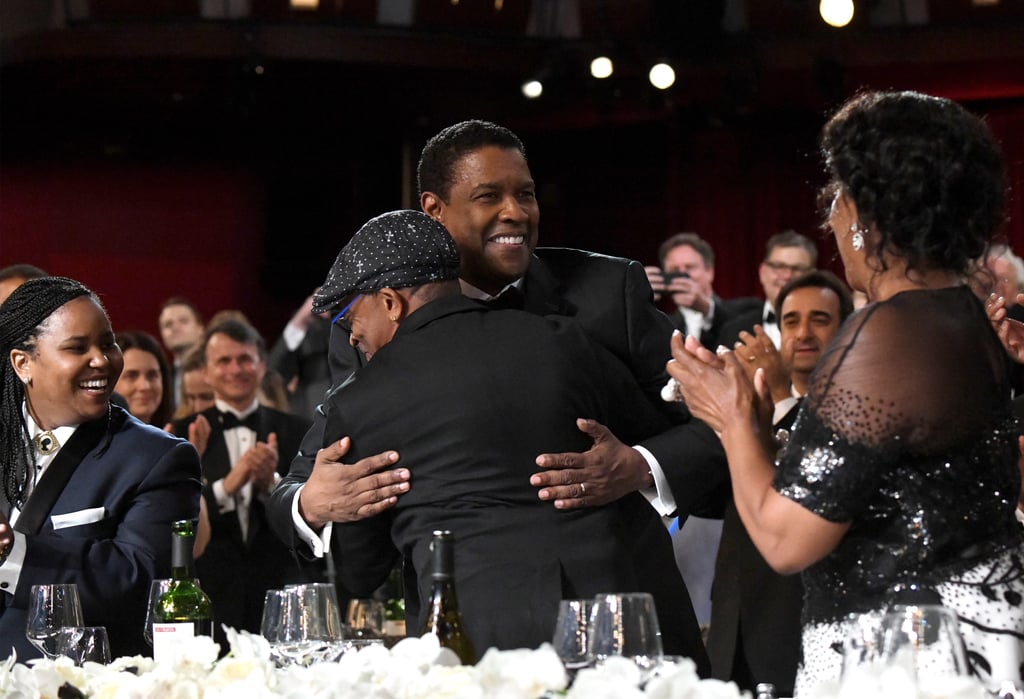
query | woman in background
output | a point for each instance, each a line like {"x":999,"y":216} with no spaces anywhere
{"x":899,"y":479}
{"x":146,"y":379}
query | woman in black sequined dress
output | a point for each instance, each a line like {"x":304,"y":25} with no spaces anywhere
{"x":899,"y":480}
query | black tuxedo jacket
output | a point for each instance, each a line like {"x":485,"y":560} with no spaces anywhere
{"x":755,"y":612}
{"x":470,"y":434}
{"x":612,"y":301}
{"x":745,"y":320}
{"x":309,"y":363}
{"x":100,"y":517}
{"x":725,"y":311}
{"x":236,"y":573}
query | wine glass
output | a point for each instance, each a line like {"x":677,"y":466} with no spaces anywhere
{"x":862,"y":646}
{"x":270,"y":624}
{"x":51,"y":608}
{"x":84,"y":644}
{"x":310,"y":628}
{"x":364,"y":619}
{"x":625,"y":625}
{"x":570,"y":638}
{"x":156,"y":589}
{"x":925,"y":641}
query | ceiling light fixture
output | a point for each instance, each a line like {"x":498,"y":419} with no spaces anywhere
{"x":836,"y":13}
{"x":532,"y":89}
{"x":601,"y":67}
{"x":662,"y":76}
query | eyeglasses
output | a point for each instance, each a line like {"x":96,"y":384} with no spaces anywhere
{"x":342,"y":319}
{"x":783,"y":267}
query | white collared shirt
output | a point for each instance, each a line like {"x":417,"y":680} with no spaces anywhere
{"x":698,"y":323}
{"x":771,"y":329}
{"x":238,"y":440}
{"x":10,"y":571}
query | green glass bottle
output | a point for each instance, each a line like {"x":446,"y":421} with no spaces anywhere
{"x":184,"y":611}
{"x":443,"y":618}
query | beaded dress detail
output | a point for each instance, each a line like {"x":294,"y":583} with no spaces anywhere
{"x":907,"y":432}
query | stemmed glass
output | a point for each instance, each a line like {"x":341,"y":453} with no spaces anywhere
{"x":364,"y":618}
{"x":51,"y":608}
{"x":309,"y":627}
{"x":625,"y":625}
{"x":84,"y":644}
{"x":156,"y":589}
{"x":570,"y":638}
{"x":924,"y":640}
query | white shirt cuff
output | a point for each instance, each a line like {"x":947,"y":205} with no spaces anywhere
{"x":660,"y":495}
{"x":225,"y":502}
{"x":10,"y":571}
{"x":320,"y":543}
{"x":293,"y":336}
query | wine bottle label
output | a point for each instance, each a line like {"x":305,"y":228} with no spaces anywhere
{"x":394,"y":627}
{"x":168,"y":637}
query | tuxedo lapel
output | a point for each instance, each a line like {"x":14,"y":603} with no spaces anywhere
{"x":541,"y":292}
{"x":216,"y":461}
{"x":45,"y":493}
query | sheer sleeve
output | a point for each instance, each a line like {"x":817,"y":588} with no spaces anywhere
{"x":906,"y":378}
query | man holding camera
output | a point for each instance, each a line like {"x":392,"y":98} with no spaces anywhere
{"x":686,"y":274}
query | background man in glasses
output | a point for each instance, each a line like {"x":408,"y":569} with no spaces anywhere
{"x":787,"y":255}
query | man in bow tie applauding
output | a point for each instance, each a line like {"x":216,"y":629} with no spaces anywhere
{"x":241,"y":464}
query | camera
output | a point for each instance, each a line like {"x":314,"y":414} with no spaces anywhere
{"x":669,"y":276}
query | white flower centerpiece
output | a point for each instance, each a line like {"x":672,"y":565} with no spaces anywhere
{"x":416,"y":668}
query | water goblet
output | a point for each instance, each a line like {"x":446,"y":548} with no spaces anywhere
{"x":309,"y":628}
{"x":156,"y":589}
{"x":925,"y":641}
{"x":570,"y":637}
{"x":625,"y":625}
{"x":51,"y":608}
{"x":84,"y":644}
{"x":364,"y":618}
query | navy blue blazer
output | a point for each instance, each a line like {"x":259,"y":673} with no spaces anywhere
{"x":128,"y":482}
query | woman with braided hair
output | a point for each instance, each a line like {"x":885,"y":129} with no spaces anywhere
{"x":88,"y":492}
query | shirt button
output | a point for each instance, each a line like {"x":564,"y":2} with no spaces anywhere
{"x":4,"y":585}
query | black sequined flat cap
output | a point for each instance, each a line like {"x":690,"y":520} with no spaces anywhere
{"x":395,"y":250}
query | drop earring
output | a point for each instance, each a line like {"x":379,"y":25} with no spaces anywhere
{"x":857,"y":240}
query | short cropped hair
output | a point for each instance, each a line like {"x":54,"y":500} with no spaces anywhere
{"x":792,"y":239}
{"x":819,"y":279}
{"x":436,"y":170}
{"x":693,"y":240}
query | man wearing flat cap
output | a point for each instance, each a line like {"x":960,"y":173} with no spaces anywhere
{"x":469,"y":396}
{"x":474,"y":179}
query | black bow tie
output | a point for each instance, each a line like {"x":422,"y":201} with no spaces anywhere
{"x":769,"y":318}
{"x":509,"y":298}
{"x":229,"y":420}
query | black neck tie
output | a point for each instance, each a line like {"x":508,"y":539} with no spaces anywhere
{"x":769,"y":318}
{"x":509,"y":298}
{"x":229,"y":420}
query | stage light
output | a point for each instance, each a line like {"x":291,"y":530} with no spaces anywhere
{"x":532,"y":89}
{"x":662,"y":76}
{"x":836,"y":13}
{"x":601,"y":67}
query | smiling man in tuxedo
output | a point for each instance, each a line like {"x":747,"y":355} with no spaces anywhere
{"x":241,"y":463}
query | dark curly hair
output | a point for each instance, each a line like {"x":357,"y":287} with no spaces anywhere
{"x":144,"y":342}
{"x":442,"y":152}
{"x":926,"y":172}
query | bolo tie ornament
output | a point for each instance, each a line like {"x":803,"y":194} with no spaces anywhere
{"x":46,"y":443}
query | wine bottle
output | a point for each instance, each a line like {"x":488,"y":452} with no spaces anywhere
{"x":184,"y":611}
{"x":443,"y":618}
